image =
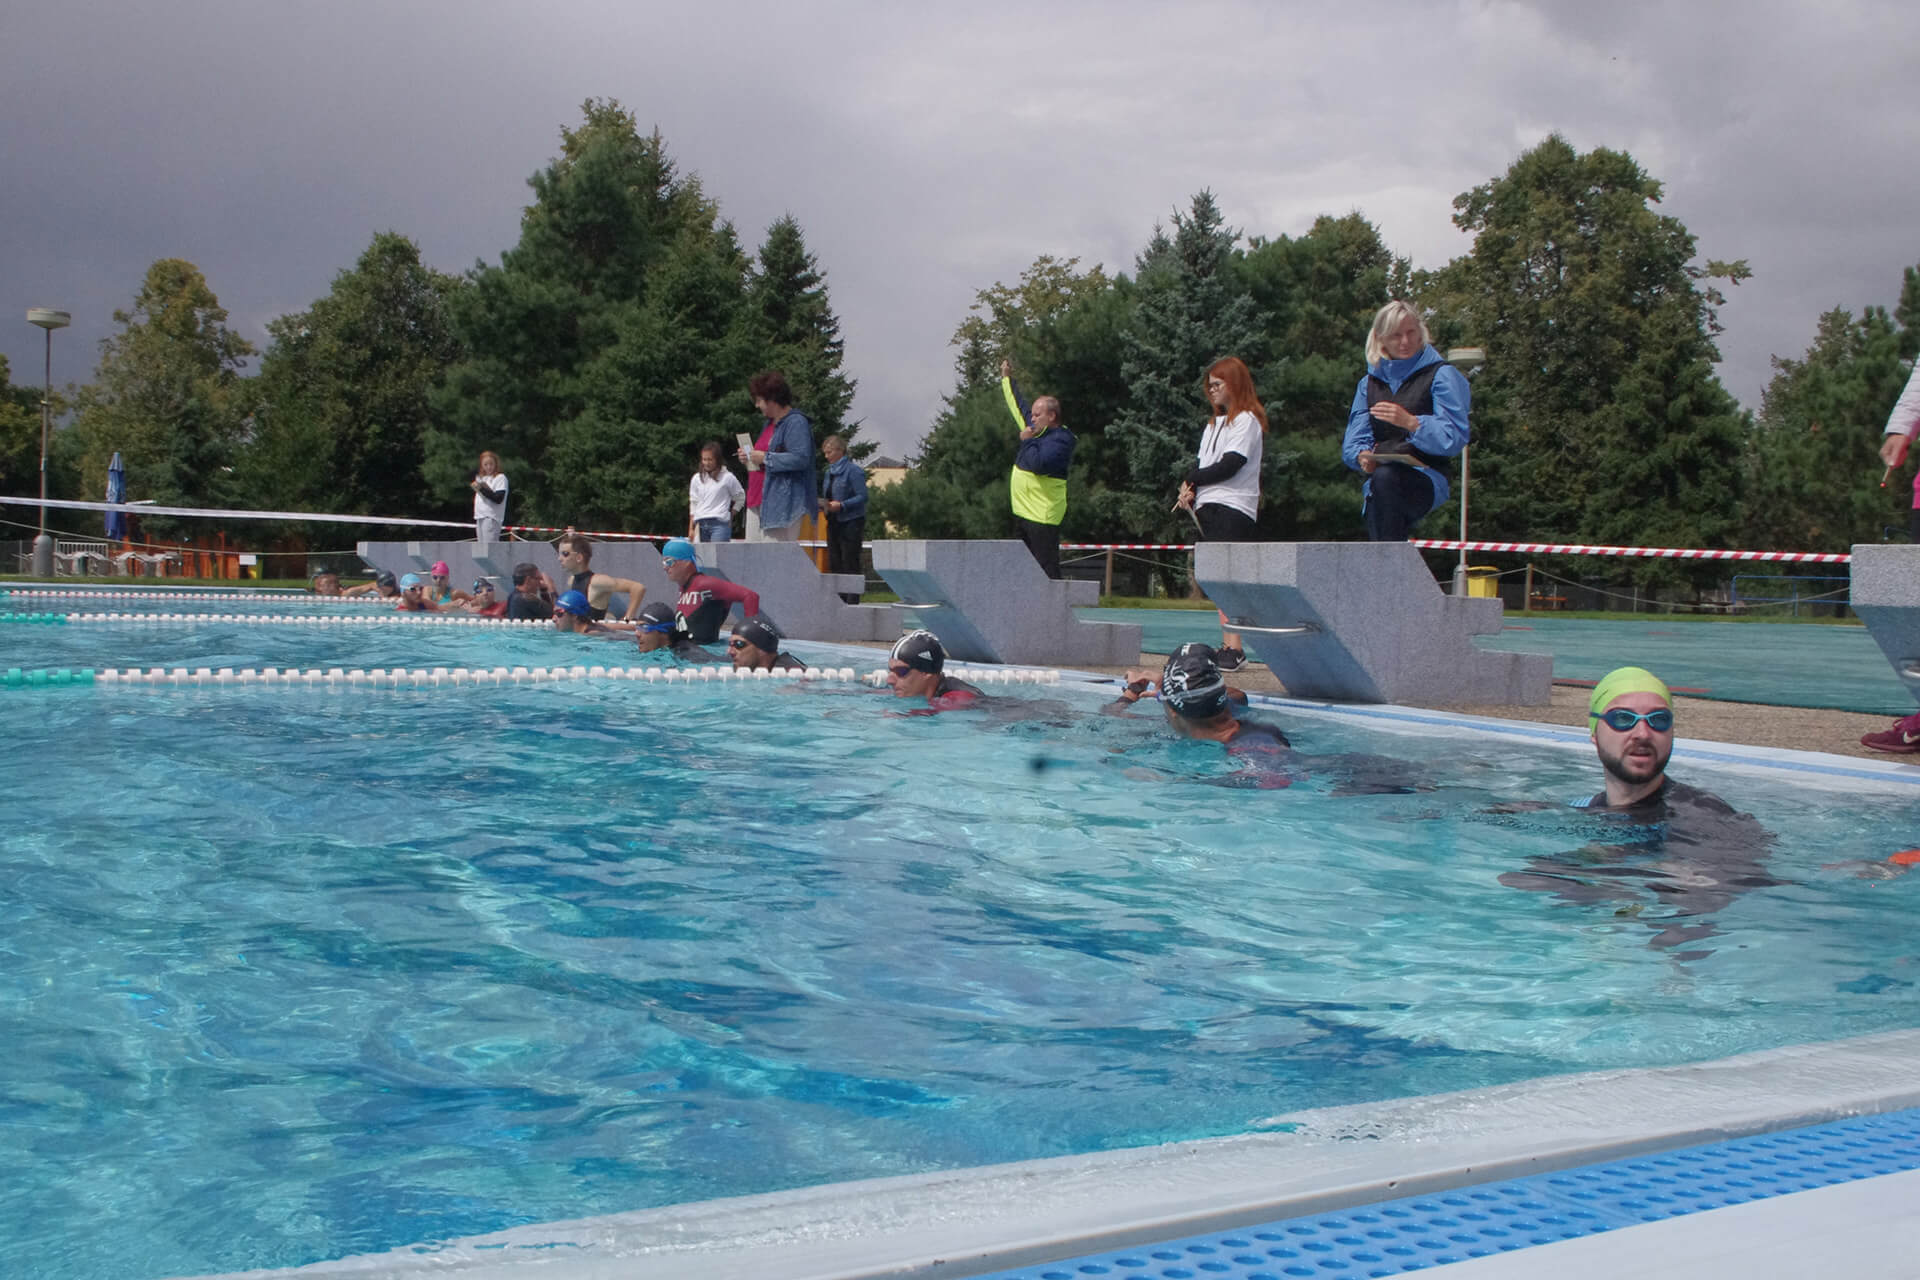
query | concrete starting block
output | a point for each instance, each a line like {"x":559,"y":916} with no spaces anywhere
{"x":802,"y":601}
{"x":1365,"y":622}
{"x":1886,"y":595}
{"x":990,"y":602}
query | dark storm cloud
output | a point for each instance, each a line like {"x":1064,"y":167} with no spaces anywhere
{"x":929,"y":152}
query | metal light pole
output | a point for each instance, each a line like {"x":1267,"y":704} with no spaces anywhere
{"x":1467,"y":360}
{"x":47,"y":319}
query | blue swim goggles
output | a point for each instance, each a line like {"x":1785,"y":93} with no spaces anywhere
{"x":1621,"y":720}
{"x":661,"y":627}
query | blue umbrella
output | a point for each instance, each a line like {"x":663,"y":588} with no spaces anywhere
{"x":116,"y":492}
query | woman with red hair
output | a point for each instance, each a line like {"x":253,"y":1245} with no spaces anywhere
{"x":1222,"y":489}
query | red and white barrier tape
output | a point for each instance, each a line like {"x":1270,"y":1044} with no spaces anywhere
{"x":1644,"y":553}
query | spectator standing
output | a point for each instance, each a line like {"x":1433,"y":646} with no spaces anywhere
{"x":1038,"y":486}
{"x":1902,"y":424}
{"x":843,"y":494}
{"x":713,"y":496}
{"x":489,"y":487}
{"x":1222,"y":489}
{"x":1407,"y":424}
{"x":789,"y":490}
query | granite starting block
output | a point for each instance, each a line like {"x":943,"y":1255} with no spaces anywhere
{"x":991,"y":602}
{"x":1886,"y":595}
{"x":1365,"y":622}
{"x":802,"y":601}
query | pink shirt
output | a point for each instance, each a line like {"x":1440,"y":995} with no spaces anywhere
{"x":757,"y":480}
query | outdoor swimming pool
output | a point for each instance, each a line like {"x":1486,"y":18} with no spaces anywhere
{"x":295,"y":974}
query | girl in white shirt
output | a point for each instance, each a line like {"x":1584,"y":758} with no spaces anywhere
{"x":712,"y":499}
{"x":489,"y":498}
{"x":1222,"y":489}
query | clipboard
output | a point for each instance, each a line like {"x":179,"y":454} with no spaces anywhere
{"x":746,"y":446}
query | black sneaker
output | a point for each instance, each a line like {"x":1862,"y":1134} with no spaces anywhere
{"x":1229,"y":658}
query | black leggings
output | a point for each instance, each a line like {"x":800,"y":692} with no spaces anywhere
{"x":1219,"y":523}
{"x":1401,"y":496}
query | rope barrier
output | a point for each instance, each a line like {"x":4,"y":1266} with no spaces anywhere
{"x":337,"y":678}
{"x":144,"y":509}
{"x":1666,"y":553}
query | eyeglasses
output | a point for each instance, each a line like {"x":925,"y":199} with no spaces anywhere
{"x":1621,"y":720}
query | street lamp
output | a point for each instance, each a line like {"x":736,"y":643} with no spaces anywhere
{"x":47,"y":319}
{"x":1467,"y":360}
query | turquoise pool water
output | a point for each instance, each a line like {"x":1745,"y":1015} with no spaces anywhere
{"x":291,"y":974}
{"x":1783,"y":664}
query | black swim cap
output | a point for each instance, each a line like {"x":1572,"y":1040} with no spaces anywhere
{"x":759,"y":633}
{"x":920,"y":650}
{"x":385,"y":578}
{"x":1192,"y":684}
{"x":658,"y":613}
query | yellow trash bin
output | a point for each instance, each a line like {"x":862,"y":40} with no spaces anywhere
{"x":1483,"y":580}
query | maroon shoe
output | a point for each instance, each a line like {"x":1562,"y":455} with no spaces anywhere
{"x":1903,"y":739}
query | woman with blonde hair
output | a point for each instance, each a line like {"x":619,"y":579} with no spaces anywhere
{"x":489,"y":487}
{"x":1407,"y":424}
{"x":1222,"y":489}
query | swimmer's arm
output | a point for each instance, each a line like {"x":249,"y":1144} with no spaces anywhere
{"x":636,"y":593}
{"x":1137,"y":685}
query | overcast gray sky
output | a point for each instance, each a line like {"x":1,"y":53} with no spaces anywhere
{"x":931,"y":151}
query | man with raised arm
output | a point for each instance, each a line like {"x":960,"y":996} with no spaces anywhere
{"x":576,"y":561}
{"x":1038,"y":485}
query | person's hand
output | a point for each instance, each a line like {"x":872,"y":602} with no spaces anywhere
{"x":1006,"y":368}
{"x":1185,"y":501}
{"x":1366,"y":461}
{"x":1893,"y":449}
{"x":1392,"y":414}
{"x":474,"y":485}
{"x":833,"y":504}
{"x":1139,"y":678}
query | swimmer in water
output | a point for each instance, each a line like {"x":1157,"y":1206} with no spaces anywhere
{"x":1692,"y":851}
{"x":572,"y":612}
{"x":1197,"y":703}
{"x":917,"y":669}
{"x":660,"y":629}
{"x":755,"y":646}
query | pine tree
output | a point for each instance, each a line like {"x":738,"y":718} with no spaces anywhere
{"x":1813,"y":449}
{"x":1190,"y":311}
{"x":344,"y":393}
{"x":607,"y":343}
{"x":801,"y":332}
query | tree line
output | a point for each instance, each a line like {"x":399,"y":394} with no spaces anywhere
{"x":619,"y":331}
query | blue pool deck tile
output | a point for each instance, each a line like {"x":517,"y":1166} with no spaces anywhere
{"x":1396,"y":1237}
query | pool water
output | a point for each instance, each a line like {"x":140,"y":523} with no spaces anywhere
{"x":294,"y":974}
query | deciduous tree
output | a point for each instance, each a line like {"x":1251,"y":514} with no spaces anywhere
{"x":167,"y":395}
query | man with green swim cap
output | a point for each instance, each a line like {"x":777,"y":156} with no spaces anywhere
{"x":1630,"y":718}
{"x":1684,"y":851}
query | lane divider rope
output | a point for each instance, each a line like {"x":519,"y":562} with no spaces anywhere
{"x":335,"y":678}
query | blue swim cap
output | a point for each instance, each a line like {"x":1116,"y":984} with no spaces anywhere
{"x":678,"y":549}
{"x":575,"y":603}
{"x":412,"y":580}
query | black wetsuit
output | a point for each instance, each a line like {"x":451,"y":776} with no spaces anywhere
{"x":1691,"y":850}
{"x":581,"y":582}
